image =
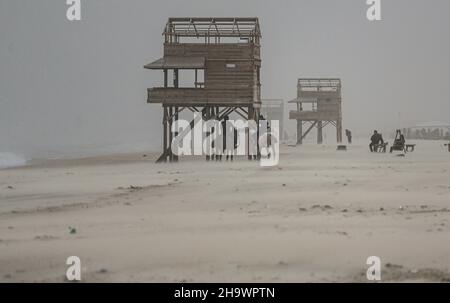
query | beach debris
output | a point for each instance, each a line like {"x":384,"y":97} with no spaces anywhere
{"x":134,"y":187}
{"x":72,"y":230}
{"x":401,"y":208}
{"x":10,"y":187}
{"x":302,"y":209}
{"x":343,"y":233}
{"x":284,"y":184}
{"x":45,"y":237}
{"x":7,"y":276}
{"x":381,"y":209}
{"x":344,"y":210}
{"x":130,"y":188}
{"x":102,"y":271}
{"x":321,"y":207}
{"x":393,"y":266}
{"x":144,"y":155}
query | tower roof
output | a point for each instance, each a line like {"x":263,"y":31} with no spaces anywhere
{"x":213,"y":27}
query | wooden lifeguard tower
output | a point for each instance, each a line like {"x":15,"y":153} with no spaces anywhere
{"x":224,"y":55}
{"x":318,"y":104}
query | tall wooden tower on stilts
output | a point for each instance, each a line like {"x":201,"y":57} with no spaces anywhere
{"x":224,"y":56}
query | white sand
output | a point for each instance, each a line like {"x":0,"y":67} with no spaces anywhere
{"x":316,"y":217}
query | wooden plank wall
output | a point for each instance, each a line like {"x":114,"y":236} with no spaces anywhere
{"x":313,"y":116}
{"x":214,"y":51}
{"x":192,"y":96}
{"x":235,"y":83}
{"x":333,"y":105}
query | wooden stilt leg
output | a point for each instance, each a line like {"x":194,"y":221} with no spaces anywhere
{"x":170,"y":154}
{"x":247,"y":135}
{"x":163,"y":156}
{"x":175,"y":157}
{"x":207,"y":117}
{"x":299,"y":132}
{"x":319,"y":132}
{"x":339,"y":131}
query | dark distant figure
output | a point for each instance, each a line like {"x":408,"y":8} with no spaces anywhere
{"x":228,"y":130}
{"x":348,"y":133}
{"x":399,"y":142}
{"x":375,"y":140}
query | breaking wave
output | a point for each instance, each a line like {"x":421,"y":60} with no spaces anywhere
{"x":11,"y":160}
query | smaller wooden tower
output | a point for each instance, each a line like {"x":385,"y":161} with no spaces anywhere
{"x":318,"y":104}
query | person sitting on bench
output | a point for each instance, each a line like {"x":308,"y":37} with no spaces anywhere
{"x":399,"y":142}
{"x":376,"y":140}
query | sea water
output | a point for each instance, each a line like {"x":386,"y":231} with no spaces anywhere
{"x":11,"y":160}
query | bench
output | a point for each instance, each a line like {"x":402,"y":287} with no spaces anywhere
{"x":380,"y":148}
{"x":409,"y":147}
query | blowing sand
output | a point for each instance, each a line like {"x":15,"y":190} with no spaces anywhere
{"x":316,"y":217}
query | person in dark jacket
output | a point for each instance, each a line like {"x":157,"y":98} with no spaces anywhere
{"x":375,"y":140}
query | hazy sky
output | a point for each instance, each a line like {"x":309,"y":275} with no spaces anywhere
{"x":80,"y":86}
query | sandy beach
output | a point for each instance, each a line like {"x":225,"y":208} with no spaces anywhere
{"x":316,"y":217}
